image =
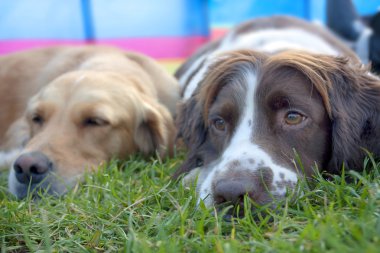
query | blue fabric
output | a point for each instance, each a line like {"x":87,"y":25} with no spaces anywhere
{"x":113,"y":19}
{"x":150,"y":18}
{"x":224,"y":12}
{"x":104,"y":19}
{"x":41,"y":19}
{"x":230,"y":12}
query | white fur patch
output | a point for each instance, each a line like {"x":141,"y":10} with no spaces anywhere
{"x":274,"y":40}
{"x":268,"y":40}
{"x":192,"y":68}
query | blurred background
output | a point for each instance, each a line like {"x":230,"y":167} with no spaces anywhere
{"x":168,"y":30}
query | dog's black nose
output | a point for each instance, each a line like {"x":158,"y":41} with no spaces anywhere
{"x":233,"y":191}
{"x":32,"y":167}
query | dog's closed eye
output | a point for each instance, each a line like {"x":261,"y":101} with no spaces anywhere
{"x":37,"y":119}
{"x":94,"y":122}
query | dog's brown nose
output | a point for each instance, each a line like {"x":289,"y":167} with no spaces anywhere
{"x":233,"y":191}
{"x":32,"y":167}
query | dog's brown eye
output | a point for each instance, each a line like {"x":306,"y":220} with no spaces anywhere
{"x":37,"y":119}
{"x":294,"y":118}
{"x":95,"y":122}
{"x":220,"y":124}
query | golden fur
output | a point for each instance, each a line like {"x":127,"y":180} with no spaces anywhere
{"x":81,"y":106}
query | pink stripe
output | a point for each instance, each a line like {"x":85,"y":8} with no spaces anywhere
{"x":217,"y":33}
{"x":180,"y":47}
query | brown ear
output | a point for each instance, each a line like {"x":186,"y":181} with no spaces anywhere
{"x":155,"y":131}
{"x":190,"y":123}
{"x":192,"y":132}
{"x":355,"y":104}
{"x":352,"y":98}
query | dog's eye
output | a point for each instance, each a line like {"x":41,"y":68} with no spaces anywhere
{"x":37,"y":119}
{"x":294,"y":118}
{"x":95,"y":122}
{"x":219,"y":124}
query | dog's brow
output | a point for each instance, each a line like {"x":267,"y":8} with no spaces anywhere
{"x":40,"y":107}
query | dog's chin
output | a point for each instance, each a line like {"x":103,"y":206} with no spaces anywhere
{"x":51,"y":185}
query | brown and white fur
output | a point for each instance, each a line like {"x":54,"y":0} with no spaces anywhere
{"x":65,"y":110}
{"x":246,"y":113}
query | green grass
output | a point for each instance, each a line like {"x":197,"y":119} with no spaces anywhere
{"x":133,"y":206}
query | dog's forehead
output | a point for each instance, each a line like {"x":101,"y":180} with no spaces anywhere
{"x":85,"y":96}
{"x":76,"y":88}
{"x":230,"y":99}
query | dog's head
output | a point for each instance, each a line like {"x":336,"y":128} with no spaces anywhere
{"x":82,"y":119}
{"x":252,"y":113}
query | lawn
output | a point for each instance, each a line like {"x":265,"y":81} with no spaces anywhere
{"x":133,"y":206}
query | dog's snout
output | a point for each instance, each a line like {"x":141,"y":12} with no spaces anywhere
{"x":233,"y":191}
{"x":32,"y":167}
{"x":233,"y":187}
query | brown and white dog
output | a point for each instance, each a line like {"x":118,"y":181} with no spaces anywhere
{"x":245,"y":114}
{"x":65,"y":110}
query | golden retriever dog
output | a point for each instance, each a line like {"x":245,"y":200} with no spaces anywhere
{"x":65,"y":110}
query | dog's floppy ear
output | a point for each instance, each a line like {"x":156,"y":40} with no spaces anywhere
{"x":155,"y":131}
{"x":355,"y":114}
{"x":165,"y":83}
{"x":351,"y":95}
{"x":189,"y":122}
{"x":191,"y":131}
